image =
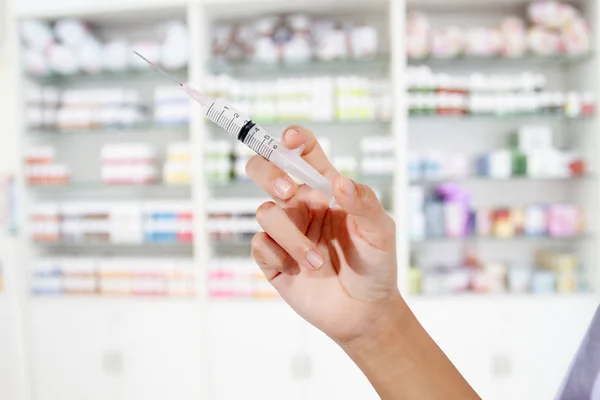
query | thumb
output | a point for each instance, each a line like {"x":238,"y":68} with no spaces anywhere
{"x":373,"y":222}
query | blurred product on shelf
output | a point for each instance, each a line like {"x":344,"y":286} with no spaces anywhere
{"x":83,"y":109}
{"x":378,"y":156}
{"x":294,"y":39}
{"x":41,"y":168}
{"x":446,"y":212}
{"x":346,"y":165}
{"x":177,"y":169}
{"x":233,"y":219}
{"x":531,"y":154}
{"x":218,"y":161}
{"x":556,"y":28}
{"x":170,"y":222}
{"x":550,"y":272}
{"x":242,"y":154}
{"x":340,"y":98}
{"x":479,"y":94}
{"x":70,"y":46}
{"x":231,"y":278}
{"x":112,"y":222}
{"x":171,"y":106}
{"x":128,"y":164}
{"x":165,"y":277}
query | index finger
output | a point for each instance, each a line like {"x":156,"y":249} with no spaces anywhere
{"x":295,"y":136}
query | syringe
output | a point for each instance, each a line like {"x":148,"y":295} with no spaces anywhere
{"x":245,"y":130}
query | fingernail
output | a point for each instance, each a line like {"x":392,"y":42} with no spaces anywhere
{"x":315,"y":260}
{"x":348,"y":187}
{"x":282,"y":187}
{"x":290,"y":132}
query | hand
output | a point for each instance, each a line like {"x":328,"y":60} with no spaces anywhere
{"x":337,"y":267}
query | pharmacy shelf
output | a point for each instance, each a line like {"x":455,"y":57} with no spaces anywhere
{"x":529,"y":60}
{"x":249,"y":312}
{"x":141,"y":75}
{"x":504,"y":296}
{"x":500,"y":240}
{"x":95,"y":185}
{"x":111,"y":245}
{"x":510,"y":180}
{"x":487,"y":118}
{"x":379,"y":64}
{"x":143,"y":129}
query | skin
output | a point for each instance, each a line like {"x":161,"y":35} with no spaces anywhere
{"x":337,"y":268}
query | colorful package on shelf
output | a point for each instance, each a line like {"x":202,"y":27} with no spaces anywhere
{"x":447,"y":42}
{"x":297,"y":47}
{"x":482,"y":42}
{"x":171,"y":106}
{"x":170,"y":222}
{"x":331,"y":41}
{"x":45,"y":223}
{"x":565,"y":220}
{"x":90,"y":56}
{"x":86,"y":109}
{"x":458,"y":219}
{"x":177,"y":169}
{"x":543,"y":41}
{"x":552,"y":14}
{"x":71,"y":47}
{"x":576,"y":38}
{"x":171,"y":277}
{"x":230,"y":278}
{"x":418,"y":45}
{"x":514,"y":37}
{"x":295,"y":38}
{"x":113,"y":222}
{"x":342,"y":98}
{"x":231,"y":219}
{"x":128,"y":164}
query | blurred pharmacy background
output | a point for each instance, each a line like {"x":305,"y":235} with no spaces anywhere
{"x":126,"y":218}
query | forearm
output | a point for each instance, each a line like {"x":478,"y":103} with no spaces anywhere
{"x":402,"y":361}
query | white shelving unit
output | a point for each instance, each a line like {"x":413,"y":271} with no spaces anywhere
{"x":124,"y":348}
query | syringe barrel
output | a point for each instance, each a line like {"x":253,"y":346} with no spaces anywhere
{"x":241,"y":127}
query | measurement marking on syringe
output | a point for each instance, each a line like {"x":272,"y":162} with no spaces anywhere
{"x":229,"y":125}
{"x":219,"y":119}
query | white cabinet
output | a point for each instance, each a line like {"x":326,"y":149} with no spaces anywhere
{"x":104,"y":350}
{"x":516,"y":348}
{"x":70,"y":352}
{"x":12,"y":358}
{"x":162,"y":356}
{"x":257,"y":351}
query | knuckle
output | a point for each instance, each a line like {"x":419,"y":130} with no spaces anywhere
{"x":257,"y":241}
{"x":263,"y":211}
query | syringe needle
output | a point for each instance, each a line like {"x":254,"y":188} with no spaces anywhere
{"x":158,"y":69}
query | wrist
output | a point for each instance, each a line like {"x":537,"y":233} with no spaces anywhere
{"x":389,"y":320}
